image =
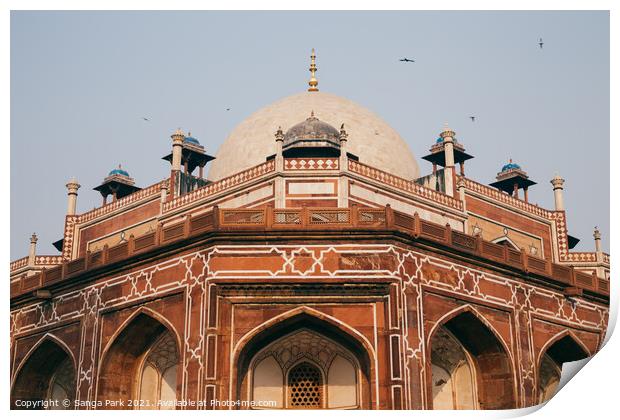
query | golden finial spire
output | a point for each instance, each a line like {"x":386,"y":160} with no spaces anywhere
{"x":313,"y":82}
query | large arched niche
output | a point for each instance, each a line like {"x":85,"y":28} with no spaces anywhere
{"x":560,"y":349}
{"x":47,"y":374}
{"x":348,"y":361}
{"x":141,"y":363}
{"x":485,"y":356}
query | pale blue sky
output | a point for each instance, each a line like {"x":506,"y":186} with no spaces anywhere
{"x":81,"y":81}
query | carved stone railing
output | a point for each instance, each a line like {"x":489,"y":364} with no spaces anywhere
{"x":150,"y":191}
{"x":404,"y":184}
{"x":580,"y":257}
{"x":17,"y":264}
{"x":506,"y":198}
{"x":40,"y":261}
{"x":221,"y":185}
{"x":304,"y":220}
{"x":311,"y":164}
{"x":48,"y":259}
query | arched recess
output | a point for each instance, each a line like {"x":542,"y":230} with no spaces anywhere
{"x":488,"y":358}
{"x":291,"y":324}
{"x":562,"y":348}
{"x":46,"y":374}
{"x":454,"y":381}
{"x":141,"y":359}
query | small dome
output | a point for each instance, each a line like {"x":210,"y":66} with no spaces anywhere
{"x":439,"y":140}
{"x":311,"y":130}
{"x":118,"y":171}
{"x":510,"y":165}
{"x":190,"y":139}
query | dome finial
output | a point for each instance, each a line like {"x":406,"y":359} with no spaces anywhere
{"x":313,"y":83}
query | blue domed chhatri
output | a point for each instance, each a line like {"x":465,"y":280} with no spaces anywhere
{"x":190,"y":139}
{"x":439,"y":140}
{"x":510,"y":165}
{"x":118,"y":171}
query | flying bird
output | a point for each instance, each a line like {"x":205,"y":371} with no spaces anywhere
{"x":406,"y":60}
{"x":540,"y":43}
{"x":227,"y":109}
{"x":145,"y":119}
{"x":472,"y":118}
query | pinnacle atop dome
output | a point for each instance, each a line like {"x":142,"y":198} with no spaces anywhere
{"x":313,"y":82}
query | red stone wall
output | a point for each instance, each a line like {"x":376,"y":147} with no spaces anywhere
{"x":385,"y":298}
{"x":512,"y":219}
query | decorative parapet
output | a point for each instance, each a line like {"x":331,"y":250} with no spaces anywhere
{"x":580,"y":257}
{"x":303,"y":220}
{"x":506,"y":198}
{"x":48,"y":260}
{"x":40,"y":261}
{"x":118,"y":204}
{"x":221,"y":185}
{"x":405,"y":185}
{"x":17,"y":264}
{"x":311,"y":164}
{"x":565,"y":256}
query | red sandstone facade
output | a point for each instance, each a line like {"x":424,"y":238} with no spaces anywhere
{"x":352,"y":262}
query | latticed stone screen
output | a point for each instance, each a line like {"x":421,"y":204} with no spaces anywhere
{"x":305,"y":387}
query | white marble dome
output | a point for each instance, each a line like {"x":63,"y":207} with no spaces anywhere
{"x":370,"y":138}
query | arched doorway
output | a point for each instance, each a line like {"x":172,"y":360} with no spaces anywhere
{"x":48,"y":375}
{"x":454,"y":383}
{"x":304,"y":363}
{"x":141,"y":364}
{"x":470,"y":367}
{"x":563,"y":349}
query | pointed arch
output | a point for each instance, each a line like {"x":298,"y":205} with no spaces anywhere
{"x":122,"y":359}
{"x":493,"y":361}
{"x":565,"y":346}
{"x":468,"y":308}
{"x":55,"y":340}
{"x":141,"y":311}
{"x":297,"y":319}
{"x":562,"y":347}
{"x":33,"y":377}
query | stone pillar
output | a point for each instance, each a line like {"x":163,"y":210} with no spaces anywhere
{"x":33,"y":249}
{"x":72,"y":192}
{"x":164,"y":193}
{"x":177,"y":154}
{"x":558,"y":192}
{"x":343,"y":163}
{"x":448,"y":140}
{"x":279,"y":145}
{"x":597,"y":241}
{"x":600,"y":271}
{"x":280,"y":201}
{"x":460,"y":187}
{"x":177,"y":149}
{"x":515,"y":190}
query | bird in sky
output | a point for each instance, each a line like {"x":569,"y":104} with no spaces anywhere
{"x":472,"y":118}
{"x":145,"y":119}
{"x":227,"y":109}
{"x":406,"y":60}
{"x":540,"y":43}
